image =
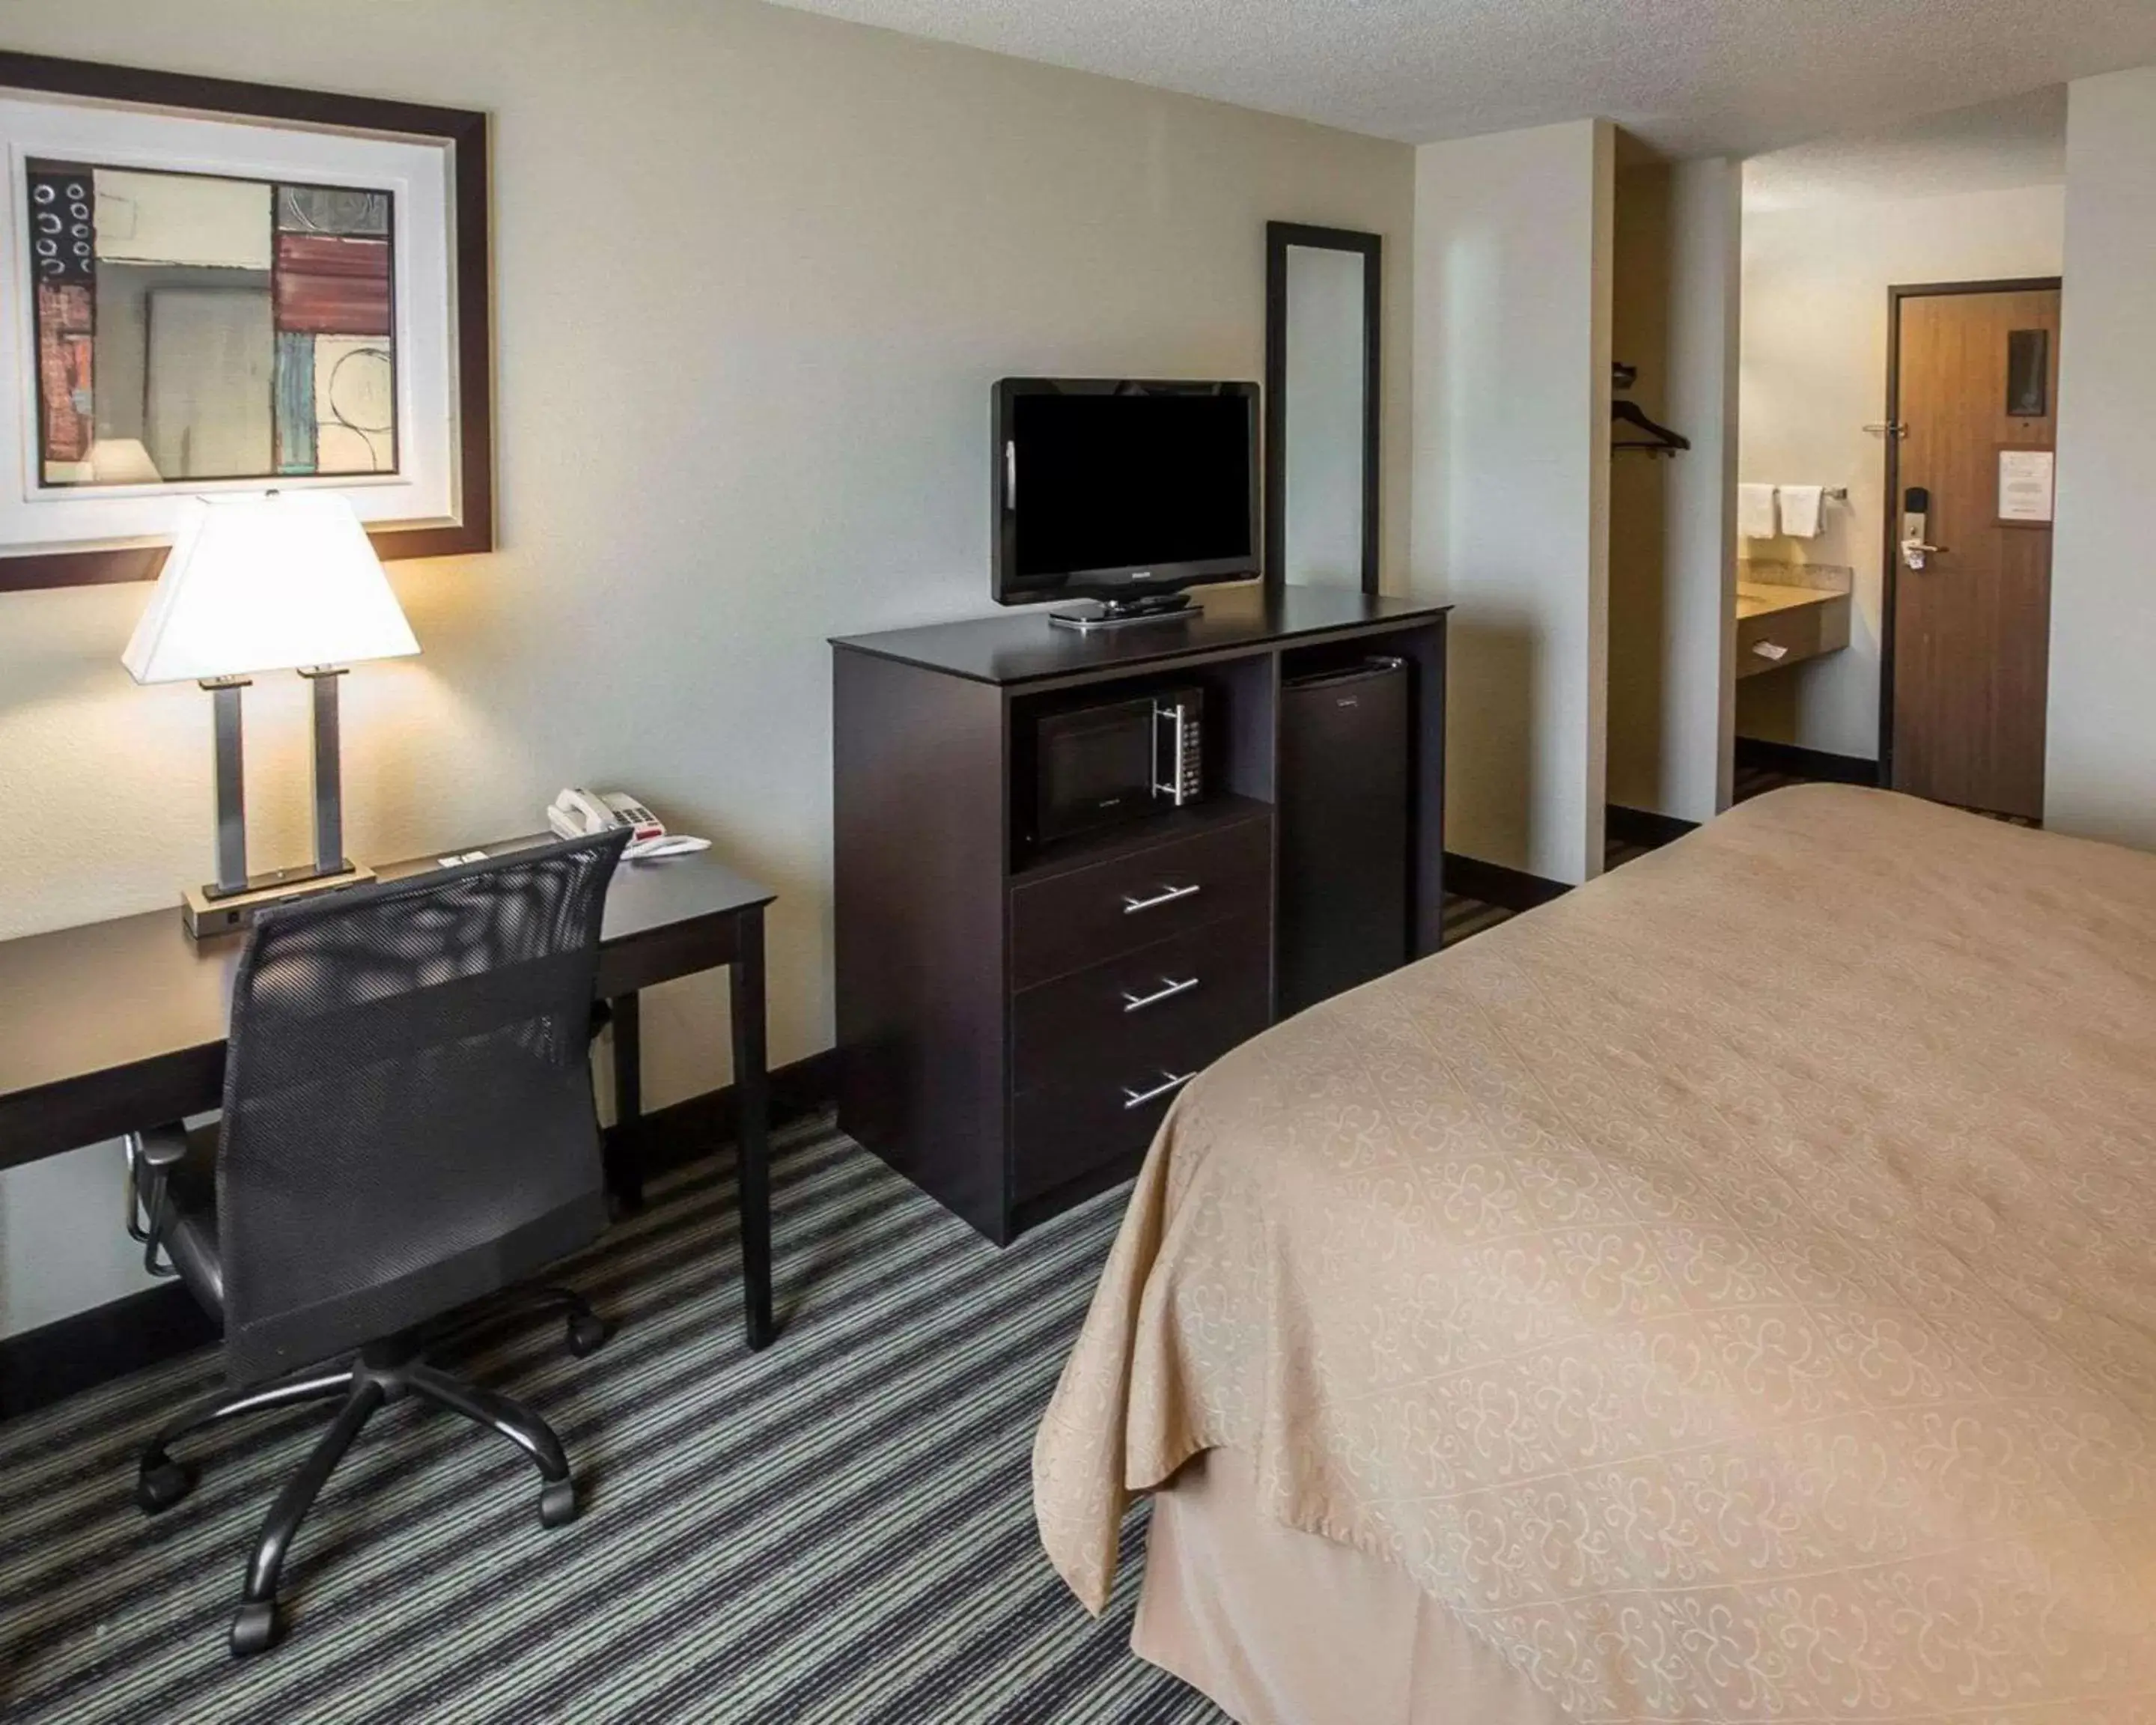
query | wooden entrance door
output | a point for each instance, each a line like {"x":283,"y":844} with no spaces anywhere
{"x":1974,"y":372}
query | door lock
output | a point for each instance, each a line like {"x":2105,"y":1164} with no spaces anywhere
{"x":1916,"y":512}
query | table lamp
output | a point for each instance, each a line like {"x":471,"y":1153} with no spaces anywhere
{"x":282,"y":582}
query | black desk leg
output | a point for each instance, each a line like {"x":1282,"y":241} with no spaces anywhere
{"x":752,"y":1126}
{"x":625,"y":1153}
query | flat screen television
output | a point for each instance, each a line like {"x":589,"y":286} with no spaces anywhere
{"x":1123,"y":491}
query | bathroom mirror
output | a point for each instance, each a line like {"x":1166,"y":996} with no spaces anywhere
{"x":1322,"y":297}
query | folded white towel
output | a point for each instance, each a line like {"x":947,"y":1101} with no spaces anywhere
{"x":1755,"y":511}
{"x":1801,"y":510}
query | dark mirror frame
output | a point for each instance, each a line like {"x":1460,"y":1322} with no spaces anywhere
{"x":1279,"y":236}
{"x":473,"y":337}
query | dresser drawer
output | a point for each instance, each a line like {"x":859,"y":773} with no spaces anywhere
{"x":1096,"y":1075}
{"x":1206,"y":990}
{"x":1106,"y":910}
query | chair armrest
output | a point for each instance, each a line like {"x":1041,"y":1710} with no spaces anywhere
{"x":164,"y":1146}
{"x":151,"y":1156}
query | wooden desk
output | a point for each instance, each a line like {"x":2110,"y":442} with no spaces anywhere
{"x":115,"y":1026}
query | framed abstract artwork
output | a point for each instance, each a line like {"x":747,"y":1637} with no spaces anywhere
{"x":209,"y":286}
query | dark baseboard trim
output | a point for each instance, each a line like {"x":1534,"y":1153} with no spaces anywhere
{"x":1494,"y":884}
{"x":1643,"y":826}
{"x":54,"y":1361}
{"x":1757,"y":752}
{"x":697,"y":1125}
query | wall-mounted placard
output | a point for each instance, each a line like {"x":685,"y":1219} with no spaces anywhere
{"x":2025,"y":486}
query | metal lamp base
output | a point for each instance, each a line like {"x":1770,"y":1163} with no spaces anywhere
{"x":211,"y":910}
{"x":233,"y":901}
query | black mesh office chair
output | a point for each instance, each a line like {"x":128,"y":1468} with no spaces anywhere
{"x":408,"y":1128}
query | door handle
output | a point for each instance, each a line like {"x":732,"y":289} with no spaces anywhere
{"x":1168,"y":991}
{"x":1166,"y":895}
{"x":1916,"y":522}
{"x":1139,"y":1098}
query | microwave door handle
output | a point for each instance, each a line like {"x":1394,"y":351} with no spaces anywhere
{"x":1179,"y":718}
{"x":1010,"y":473}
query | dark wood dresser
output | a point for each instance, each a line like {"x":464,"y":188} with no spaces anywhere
{"x":1013,"y":1019}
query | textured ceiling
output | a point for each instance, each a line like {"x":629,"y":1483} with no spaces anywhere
{"x":1991,"y":147}
{"x":1691,"y":77}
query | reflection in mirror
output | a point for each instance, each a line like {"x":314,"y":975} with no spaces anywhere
{"x":192,"y":326}
{"x":1323,"y":504}
{"x":1322,"y":294}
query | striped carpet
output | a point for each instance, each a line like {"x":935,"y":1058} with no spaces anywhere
{"x":837,"y":1529}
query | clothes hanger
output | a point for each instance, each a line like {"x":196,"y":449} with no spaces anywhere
{"x":1660,"y":441}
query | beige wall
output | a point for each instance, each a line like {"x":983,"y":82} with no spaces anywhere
{"x":1813,"y":373}
{"x":2100,"y":764}
{"x":1512,"y":236}
{"x":755,"y":271}
{"x":1672,"y":594}
{"x":1699,"y":535}
{"x":1640,"y":312}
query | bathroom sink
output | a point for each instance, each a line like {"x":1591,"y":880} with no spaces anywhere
{"x":1778,"y":626}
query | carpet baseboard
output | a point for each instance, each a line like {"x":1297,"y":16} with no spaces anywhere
{"x":56,"y":1360}
{"x":1643,"y":826}
{"x":51,"y":1362}
{"x":698,"y":1125}
{"x":1494,"y":884}
{"x":1756,"y":752}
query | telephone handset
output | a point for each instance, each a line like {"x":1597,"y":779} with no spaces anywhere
{"x":576,"y":812}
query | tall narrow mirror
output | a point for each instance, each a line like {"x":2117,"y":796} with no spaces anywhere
{"x":1322,"y":297}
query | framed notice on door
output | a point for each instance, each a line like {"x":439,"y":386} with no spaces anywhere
{"x":2026,"y":477}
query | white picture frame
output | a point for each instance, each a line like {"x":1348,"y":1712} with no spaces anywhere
{"x":439,"y":498}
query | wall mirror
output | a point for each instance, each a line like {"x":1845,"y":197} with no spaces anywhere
{"x":1322,"y":298}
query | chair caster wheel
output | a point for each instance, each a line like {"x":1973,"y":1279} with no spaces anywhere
{"x":587,"y":1334}
{"x":160,"y":1486}
{"x":558,"y":1503}
{"x":255,"y":1629}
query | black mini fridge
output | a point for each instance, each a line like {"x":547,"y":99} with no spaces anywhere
{"x":1343,"y":807}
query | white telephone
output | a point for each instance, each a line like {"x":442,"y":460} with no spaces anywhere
{"x":576,"y":812}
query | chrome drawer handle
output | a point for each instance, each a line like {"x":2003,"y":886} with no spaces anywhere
{"x":1139,"y":1098}
{"x":1166,"y":895}
{"x":1137,"y":1003}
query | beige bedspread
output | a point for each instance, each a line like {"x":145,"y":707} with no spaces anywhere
{"x":1731,"y":1290}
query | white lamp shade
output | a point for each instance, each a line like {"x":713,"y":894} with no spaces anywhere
{"x":264,"y":583}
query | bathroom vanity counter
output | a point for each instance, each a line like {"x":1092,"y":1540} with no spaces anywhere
{"x":1779,"y":625}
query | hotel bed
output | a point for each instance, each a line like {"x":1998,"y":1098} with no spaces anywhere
{"x":1728,"y":1293}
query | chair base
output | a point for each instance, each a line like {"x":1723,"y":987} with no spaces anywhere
{"x":384,"y":1372}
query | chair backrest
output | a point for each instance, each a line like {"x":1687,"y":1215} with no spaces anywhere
{"x":408,"y":1117}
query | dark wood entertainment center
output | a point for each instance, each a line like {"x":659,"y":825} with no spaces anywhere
{"x":989,"y":1047}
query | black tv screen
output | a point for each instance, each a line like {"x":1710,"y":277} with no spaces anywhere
{"x":1104,"y":487}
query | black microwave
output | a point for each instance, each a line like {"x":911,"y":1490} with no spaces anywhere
{"x":1099,"y":766}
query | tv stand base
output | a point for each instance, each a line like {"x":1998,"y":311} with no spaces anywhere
{"x":1114,"y":613}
